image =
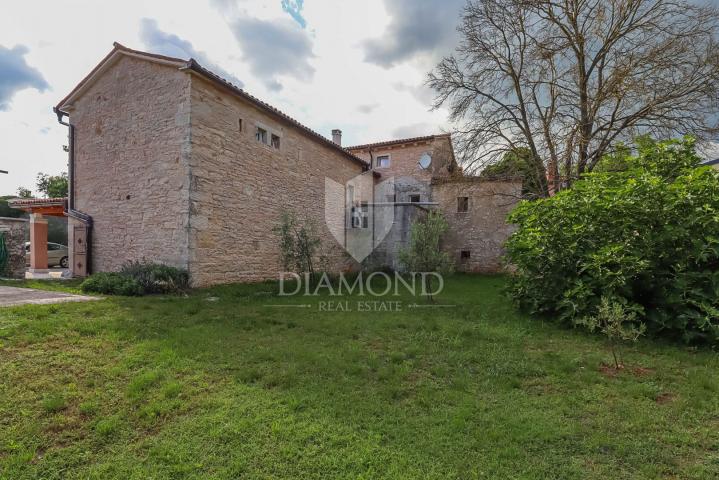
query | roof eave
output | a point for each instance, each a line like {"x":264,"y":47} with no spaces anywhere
{"x":194,"y":67}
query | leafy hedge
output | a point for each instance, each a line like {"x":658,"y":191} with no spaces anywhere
{"x":645,"y":235}
{"x":138,"y":278}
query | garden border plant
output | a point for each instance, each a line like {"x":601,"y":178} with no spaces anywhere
{"x":644,"y":233}
{"x":138,"y":278}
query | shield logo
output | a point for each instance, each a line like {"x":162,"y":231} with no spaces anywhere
{"x":359,"y":213}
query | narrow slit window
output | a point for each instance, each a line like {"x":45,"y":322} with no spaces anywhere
{"x":239,"y":125}
{"x":462,"y":204}
{"x":364,"y":208}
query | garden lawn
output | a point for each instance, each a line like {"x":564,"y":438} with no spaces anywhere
{"x":219,"y":385}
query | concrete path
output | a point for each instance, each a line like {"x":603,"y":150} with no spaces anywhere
{"x":10,"y":296}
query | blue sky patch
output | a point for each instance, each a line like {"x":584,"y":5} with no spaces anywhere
{"x":294,"y":8}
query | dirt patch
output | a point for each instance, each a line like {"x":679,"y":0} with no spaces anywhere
{"x":664,"y":397}
{"x":642,"y":372}
{"x":610,"y":370}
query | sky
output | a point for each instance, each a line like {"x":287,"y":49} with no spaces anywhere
{"x":359,"y":66}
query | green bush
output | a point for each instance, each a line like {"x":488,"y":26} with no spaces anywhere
{"x":111,"y":283}
{"x":138,"y":278}
{"x":156,"y":277}
{"x":645,"y":235}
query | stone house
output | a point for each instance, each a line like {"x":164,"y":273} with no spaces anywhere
{"x":171,"y":163}
{"x":426,"y":176}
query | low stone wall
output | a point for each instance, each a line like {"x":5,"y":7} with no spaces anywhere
{"x":13,"y":230}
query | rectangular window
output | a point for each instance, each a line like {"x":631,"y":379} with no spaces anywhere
{"x":364,"y":211}
{"x":239,"y":124}
{"x":462,"y":204}
{"x":382,"y":161}
{"x":465,"y":255}
{"x":261,"y":135}
{"x":275,"y":141}
{"x":356,"y":217}
{"x":414,"y":198}
{"x":391,"y":198}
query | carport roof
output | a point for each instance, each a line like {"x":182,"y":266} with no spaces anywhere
{"x":45,"y":206}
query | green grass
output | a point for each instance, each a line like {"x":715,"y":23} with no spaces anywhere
{"x":70,"y":285}
{"x":218,"y":385}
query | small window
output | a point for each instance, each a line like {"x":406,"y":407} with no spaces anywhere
{"x":275,"y":141}
{"x":414,"y":198}
{"x":462,"y":204}
{"x":355,"y":217}
{"x":391,"y":198}
{"x":239,"y":125}
{"x":364,"y":208}
{"x":261,"y":135}
{"x":382,"y":161}
{"x":465,"y":255}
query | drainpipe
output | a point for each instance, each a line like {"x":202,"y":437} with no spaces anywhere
{"x":70,"y":202}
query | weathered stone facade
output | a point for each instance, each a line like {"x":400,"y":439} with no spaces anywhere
{"x":14,"y":231}
{"x":132,"y":129}
{"x":481,"y":231}
{"x":240,"y":187}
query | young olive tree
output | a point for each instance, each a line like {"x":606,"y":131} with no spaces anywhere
{"x":424,"y":253}
{"x":300,"y":245}
{"x":567,"y":80}
{"x":618,"y":323}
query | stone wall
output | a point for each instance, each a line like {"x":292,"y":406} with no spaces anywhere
{"x":132,"y":164}
{"x":14,"y":231}
{"x":241,"y":186}
{"x":404,"y":159}
{"x":386,"y":255}
{"x":483,"y":229}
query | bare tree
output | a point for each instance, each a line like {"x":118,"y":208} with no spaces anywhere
{"x":568,"y":79}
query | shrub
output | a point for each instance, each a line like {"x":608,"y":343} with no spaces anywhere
{"x":617,"y":323}
{"x":111,"y":283}
{"x":138,"y":278}
{"x":156,"y":277}
{"x":300,"y":245}
{"x":424,"y":252}
{"x":645,"y":234}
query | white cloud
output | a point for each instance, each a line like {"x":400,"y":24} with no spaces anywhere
{"x":157,"y":41}
{"x":426,"y":28}
{"x":16,"y":74}
{"x":274,"y":48}
{"x":317,"y":74}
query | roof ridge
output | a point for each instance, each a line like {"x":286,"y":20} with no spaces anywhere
{"x":399,"y":140}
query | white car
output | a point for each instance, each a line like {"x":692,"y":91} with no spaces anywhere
{"x":56,"y":255}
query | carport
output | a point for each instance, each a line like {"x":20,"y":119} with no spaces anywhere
{"x":39,"y":208}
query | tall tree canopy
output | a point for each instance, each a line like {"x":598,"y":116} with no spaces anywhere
{"x":568,"y":79}
{"x":52,"y":186}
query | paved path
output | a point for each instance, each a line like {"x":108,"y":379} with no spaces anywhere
{"x":10,"y":296}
